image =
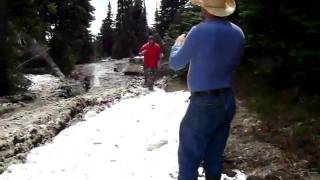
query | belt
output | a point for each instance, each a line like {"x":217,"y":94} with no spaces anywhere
{"x":210,"y":92}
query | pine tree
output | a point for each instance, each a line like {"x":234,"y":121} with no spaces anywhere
{"x":63,"y":23}
{"x":168,"y":10}
{"x":157,"y":18}
{"x":286,"y":34}
{"x":4,"y":82}
{"x":20,"y":24}
{"x":71,"y":38}
{"x":186,"y":17}
{"x":106,"y":36}
{"x":140,"y":29}
{"x":124,"y":25}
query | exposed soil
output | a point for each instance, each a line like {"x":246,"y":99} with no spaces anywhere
{"x":247,"y":151}
{"x":38,"y":122}
{"x":58,"y":104}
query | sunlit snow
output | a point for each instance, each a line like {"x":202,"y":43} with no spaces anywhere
{"x":135,"y":139}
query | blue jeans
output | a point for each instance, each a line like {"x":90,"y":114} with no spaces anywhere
{"x":203,"y":134}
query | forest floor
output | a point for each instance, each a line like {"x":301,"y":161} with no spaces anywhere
{"x":127,"y":132}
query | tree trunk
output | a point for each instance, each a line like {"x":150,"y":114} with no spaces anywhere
{"x":4,"y":86}
{"x":39,"y":50}
{"x":56,"y":70}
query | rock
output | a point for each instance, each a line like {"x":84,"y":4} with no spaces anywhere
{"x":87,"y":83}
{"x":116,"y":70}
{"x":230,"y":173}
{"x":272,"y":177}
{"x":255,"y":178}
{"x":246,"y":121}
{"x":1,"y":169}
{"x":248,"y":131}
{"x":119,"y":67}
{"x":136,"y":59}
{"x":4,"y":100}
{"x":33,"y":130}
{"x":22,"y":156}
{"x":20,"y":148}
{"x":133,"y":70}
{"x":26,"y":97}
{"x":264,"y":129}
{"x":36,"y":139}
{"x":18,"y":138}
{"x":157,"y":145}
{"x":97,"y":143}
{"x":71,"y":89}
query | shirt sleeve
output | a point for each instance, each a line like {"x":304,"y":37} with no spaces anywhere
{"x":142,"y":48}
{"x":181,"y":55}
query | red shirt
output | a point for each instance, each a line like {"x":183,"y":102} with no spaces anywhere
{"x":152,"y":55}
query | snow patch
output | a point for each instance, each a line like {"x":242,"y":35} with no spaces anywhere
{"x":42,"y":82}
{"x":135,"y":139}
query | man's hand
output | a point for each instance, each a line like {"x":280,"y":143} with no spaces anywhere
{"x":161,"y":56}
{"x":180,"y":40}
{"x":142,"y":52}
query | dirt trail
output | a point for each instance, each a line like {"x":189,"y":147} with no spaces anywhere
{"x":55,"y":108}
{"x":124,"y":142}
{"x":261,"y":160}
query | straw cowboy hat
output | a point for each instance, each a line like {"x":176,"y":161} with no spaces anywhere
{"x":221,"y":8}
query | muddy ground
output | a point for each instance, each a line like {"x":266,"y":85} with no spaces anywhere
{"x":57,"y":106}
{"x":52,"y":104}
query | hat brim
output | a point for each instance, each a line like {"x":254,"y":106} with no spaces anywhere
{"x":220,"y":12}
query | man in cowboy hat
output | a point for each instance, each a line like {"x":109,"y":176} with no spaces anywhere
{"x":212,"y":49}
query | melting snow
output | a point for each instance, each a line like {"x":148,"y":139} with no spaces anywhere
{"x":43,"y":82}
{"x":135,"y":139}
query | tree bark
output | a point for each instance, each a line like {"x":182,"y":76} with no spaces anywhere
{"x":56,"y":70}
{"x":38,"y":49}
{"x":4,"y":86}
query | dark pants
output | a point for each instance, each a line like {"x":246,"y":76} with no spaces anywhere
{"x":203,"y":134}
{"x":150,"y":76}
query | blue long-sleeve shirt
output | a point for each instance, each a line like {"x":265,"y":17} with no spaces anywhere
{"x":212,"y":49}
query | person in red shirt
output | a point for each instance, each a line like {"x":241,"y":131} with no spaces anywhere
{"x":152,"y":53}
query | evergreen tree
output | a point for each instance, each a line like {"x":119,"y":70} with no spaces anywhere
{"x":63,"y":23}
{"x":71,"y":38}
{"x":168,"y":10}
{"x":286,"y":34}
{"x":4,"y":82}
{"x":124,"y":25}
{"x":106,"y":36}
{"x":131,"y":28}
{"x":140,"y":28}
{"x":20,"y":24}
{"x":157,"y":18}
{"x":186,"y":17}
